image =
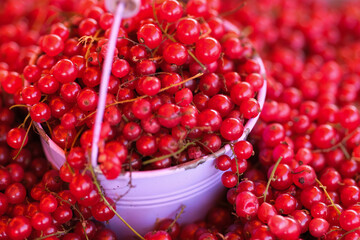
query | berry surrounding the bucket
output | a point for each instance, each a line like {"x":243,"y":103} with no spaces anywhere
{"x":295,"y":177}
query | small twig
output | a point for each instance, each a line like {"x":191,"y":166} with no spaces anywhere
{"x":225,"y":14}
{"x":271,"y":177}
{"x":328,"y":196}
{"x":351,"y":231}
{"x":23,"y":142}
{"x":145,"y":96}
{"x":168,"y":155}
{"x":97,"y":184}
{"x":178,"y":215}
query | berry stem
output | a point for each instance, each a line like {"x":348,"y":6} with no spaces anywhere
{"x":23,"y":142}
{"x":18,"y":105}
{"x":73,"y":207}
{"x":344,"y":150}
{"x":178,"y":215}
{"x":237,"y":164}
{"x":172,"y":38}
{"x":97,"y":184}
{"x":59,"y":233}
{"x":327,"y":195}
{"x":339,"y":145}
{"x":240,"y":6}
{"x":84,"y":40}
{"x":168,"y":155}
{"x":145,"y":96}
{"x":351,"y":231}
{"x":271,"y":177}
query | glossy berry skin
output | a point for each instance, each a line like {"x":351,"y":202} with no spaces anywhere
{"x":40,"y":112}
{"x":169,"y":115}
{"x":102,"y":212}
{"x":266,"y":211}
{"x":231,"y":129}
{"x":41,"y":221}
{"x":15,"y":193}
{"x":162,"y":235}
{"x":349,"y":220}
{"x":229,"y":179}
{"x":284,"y":227}
{"x":48,"y":203}
{"x":207,"y":50}
{"x":17,"y":137}
{"x":240,"y":92}
{"x":303,"y":219}
{"x":65,"y":71}
{"x":303,"y":176}
{"x":188,"y":31}
{"x":243,"y":149}
{"x":311,"y":195}
{"x":150,"y":35}
{"x":146,"y":145}
{"x":171,"y":10}
{"x":324,"y":136}
{"x":81,"y":185}
{"x":31,"y":95}
{"x":166,"y":223}
{"x":247,"y":205}
{"x":282,"y":177}
{"x":175,"y":53}
{"x":285,"y":204}
{"x":149,"y":85}
{"x":87,"y":99}
{"x":12,"y":83}
{"x":210,"y":120}
{"x":318,"y":227}
{"x":19,"y":228}
{"x":120,"y":68}
{"x":48,"y":84}
{"x":52,"y":45}
{"x":223,"y":162}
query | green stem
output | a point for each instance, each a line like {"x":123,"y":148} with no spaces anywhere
{"x":178,"y":215}
{"x":168,"y":155}
{"x":328,"y":196}
{"x":237,"y":164}
{"x":23,"y":142}
{"x":271,"y":177}
{"x":351,"y":231}
{"x":53,"y":234}
{"x":18,"y":105}
{"x":97,"y":184}
{"x":172,"y":38}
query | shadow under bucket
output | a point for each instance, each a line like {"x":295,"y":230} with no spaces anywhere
{"x":159,"y":194}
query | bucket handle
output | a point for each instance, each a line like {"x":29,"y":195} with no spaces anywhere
{"x":122,"y":9}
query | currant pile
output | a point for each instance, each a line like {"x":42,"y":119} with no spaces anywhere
{"x":303,"y":182}
{"x":182,"y":86}
{"x":34,"y":202}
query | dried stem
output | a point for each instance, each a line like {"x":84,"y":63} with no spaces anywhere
{"x":97,"y":184}
{"x":328,"y":196}
{"x":145,"y":96}
{"x":178,"y":215}
{"x":271,"y":178}
{"x":168,"y":155}
{"x":351,"y":231}
{"x":23,"y":142}
{"x":172,"y":38}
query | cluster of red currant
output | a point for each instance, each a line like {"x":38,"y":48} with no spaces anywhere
{"x":35,"y":203}
{"x":182,"y":85}
{"x":303,"y":182}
